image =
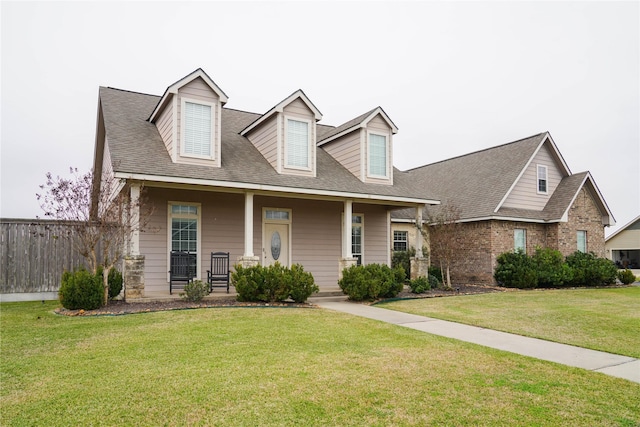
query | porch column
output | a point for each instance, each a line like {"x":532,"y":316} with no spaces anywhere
{"x":134,"y":219}
{"x":419,"y":263}
{"x":133,"y":261}
{"x":248,"y":258}
{"x":347,"y":256}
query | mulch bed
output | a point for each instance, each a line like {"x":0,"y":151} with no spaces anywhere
{"x":116,"y":308}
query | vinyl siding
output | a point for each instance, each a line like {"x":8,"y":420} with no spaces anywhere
{"x":524,"y":195}
{"x":298,"y":109}
{"x":346,"y":150}
{"x":627,"y":239}
{"x":199,"y":90}
{"x":265,"y":138}
{"x":379,"y":125}
{"x":376,"y":238}
{"x":165,"y":128}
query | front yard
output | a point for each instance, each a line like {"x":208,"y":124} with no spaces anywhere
{"x":605,"y":319}
{"x":280,"y":366}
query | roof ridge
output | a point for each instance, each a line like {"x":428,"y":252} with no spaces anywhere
{"x":476,"y":152}
{"x":129,"y":91}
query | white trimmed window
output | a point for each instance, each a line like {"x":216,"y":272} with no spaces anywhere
{"x":378,"y":150}
{"x":197,"y":129}
{"x":400,"y":241}
{"x":184,"y":223}
{"x":542,"y":179}
{"x":582,"y":240}
{"x":520,"y":239}
{"x":356,"y":237}
{"x":298,"y":144}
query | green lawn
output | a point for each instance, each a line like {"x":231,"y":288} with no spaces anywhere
{"x":270,"y":366}
{"x":600,"y":319}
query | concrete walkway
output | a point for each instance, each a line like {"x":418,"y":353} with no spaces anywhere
{"x":598,"y":361}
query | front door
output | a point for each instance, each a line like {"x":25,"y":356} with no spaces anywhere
{"x":275,"y":244}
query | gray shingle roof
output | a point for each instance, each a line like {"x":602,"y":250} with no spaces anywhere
{"x":475,"y":182}
{"x":137,"y":148}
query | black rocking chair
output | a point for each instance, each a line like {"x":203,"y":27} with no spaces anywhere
{"x":218,"y":275}
{"x":183,"y":268}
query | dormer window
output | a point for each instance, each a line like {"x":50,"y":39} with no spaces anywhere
{"x":298,"y":144}
{"x":197,"y":132}
{"x":542,"y":179}
{"x":377,"y":158}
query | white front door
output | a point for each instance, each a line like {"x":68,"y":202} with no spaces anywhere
{"x":275,"y":244}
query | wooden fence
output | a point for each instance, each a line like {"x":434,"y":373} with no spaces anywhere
{"x":34,"y":254}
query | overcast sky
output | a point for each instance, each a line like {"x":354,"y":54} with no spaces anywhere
{"x":455,"y":77}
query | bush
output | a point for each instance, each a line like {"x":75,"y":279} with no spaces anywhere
{"x":273,"y":283}
{"x":516,"y":270}
{"x":552,"y":271}
{"x":403,"y":259}
{"x":437,"y":273}
{"x":195,"y":291}
{"x":372,"y":281}
{"x":115,"y":281}
{"x":420,"y":285}
{"x":302,"y":284}
{"x":626,"y":276}
{"x":81,"y":290}
{"x":589,"y":270}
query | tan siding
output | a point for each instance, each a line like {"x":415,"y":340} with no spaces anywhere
{"x":379,"y":125}
{"x":298,"y":109}
{"x":627,"y":239}
{"x":265,"y":138}
{"x":346,"y":150}
{"x":376,"y":241}
{"x":198,"y":89}
{"x":165,"y":128}
{"x":524,"y":195}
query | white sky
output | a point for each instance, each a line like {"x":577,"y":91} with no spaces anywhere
{"x":455,"y":77}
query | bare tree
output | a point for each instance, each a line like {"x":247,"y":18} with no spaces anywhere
{"x":103,"y":211}
{"x":443,"y":229}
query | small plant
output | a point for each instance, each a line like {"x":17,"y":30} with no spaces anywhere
{"x":302,"y":284}
{"x":195,"y":291}
{"x":626,"y":277}
{"x":419,"y":285}
{"x":437,"y":273}
{"x":81,"y":290}
{"x":115,"y":281}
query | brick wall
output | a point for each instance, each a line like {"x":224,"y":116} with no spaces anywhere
{"x":583,"y":215}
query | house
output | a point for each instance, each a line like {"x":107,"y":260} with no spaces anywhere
{"x":623,"y":246}
{"x":277,"y":186}
{"x":517,"y":195}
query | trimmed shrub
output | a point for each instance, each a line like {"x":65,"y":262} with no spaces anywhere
{"x":436,"y":272}
{"x":589,"y":270}
{"x":420,"y":285}
{"x":273,"y":283}
{"x":516,"y":270}
{"x":626,"y":276}
{"x":372,"y":281}
{"x":302,"y":284}
{"x":195,"y":291}
{"x":403,"y":259}
{"x":552,"y":271}
{"x":81,"y":290}
{"x":115,"y":281}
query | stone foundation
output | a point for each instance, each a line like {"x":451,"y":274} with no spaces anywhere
{"x":419,"y":267}
{"x":248,"y":261}
{"x":134,"y":277}
{"x":346,"y":263}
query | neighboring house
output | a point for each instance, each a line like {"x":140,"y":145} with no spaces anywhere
{"x":623,"y":246}
{"x":265,"y":187}
{"x":517,"y":195}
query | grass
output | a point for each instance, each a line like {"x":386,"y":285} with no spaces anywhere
{"x":600,"y":319}
{"x":247,"y":367}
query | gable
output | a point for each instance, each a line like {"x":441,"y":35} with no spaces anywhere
{"x":525,"y":194}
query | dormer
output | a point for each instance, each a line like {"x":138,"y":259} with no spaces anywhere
{"x":188,"y":118}
{"x":364,"y":146}
{"x":286,"y":135}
